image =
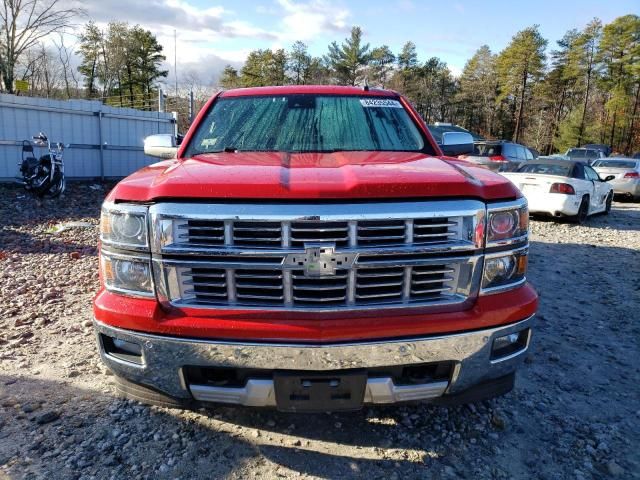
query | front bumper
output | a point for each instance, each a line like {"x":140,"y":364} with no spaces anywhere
{"x":162,"y":361}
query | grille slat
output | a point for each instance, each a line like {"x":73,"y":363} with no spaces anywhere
{"x":318,"y":232}
{"x":257,"y":234}
{"x":255,"y":287}
{"x":373,"y":233}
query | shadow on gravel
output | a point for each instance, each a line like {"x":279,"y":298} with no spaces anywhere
{"x":77,"y":432}
{"x":620,"y":218}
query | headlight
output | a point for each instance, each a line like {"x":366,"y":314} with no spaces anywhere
{"x":505,"y":224}
{"x":126,"y":274}
{"x":504,"y":270}
{"x":124,"y":226}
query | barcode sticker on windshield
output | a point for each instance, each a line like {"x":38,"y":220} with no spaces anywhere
{"x":380,"y":103}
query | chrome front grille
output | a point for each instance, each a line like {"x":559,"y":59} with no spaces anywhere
{"x":315,"y":256}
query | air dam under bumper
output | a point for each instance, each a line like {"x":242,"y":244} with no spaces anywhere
{"x":162,"y":360}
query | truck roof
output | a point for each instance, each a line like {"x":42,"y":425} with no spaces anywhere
{"x":309,"y":89}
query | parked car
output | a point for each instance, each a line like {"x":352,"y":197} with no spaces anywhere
{"x":563,"y":188}
{"x":605,"y":149}
{"x":499,"y":155}
{"x":438,"y":128}
{"x":584,"y":155}
{"x":307,"y":248}
{"x":626,"y":173}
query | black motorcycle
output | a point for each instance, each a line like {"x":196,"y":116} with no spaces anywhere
{"x":43,"y":176}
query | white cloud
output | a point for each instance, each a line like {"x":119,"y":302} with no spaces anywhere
{"x":306,"y":21}
{"x":204,"y":35}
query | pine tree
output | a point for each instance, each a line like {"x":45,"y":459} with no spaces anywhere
{"x":619,"y":51}
{"x":382,"y":60}
{"x":299,"y":63}
{"x":349,"y":59}
{"x":520,"y":65}
{"x":478,"y":89}
{"x":230,"y":77}
{"x":90,"y":50}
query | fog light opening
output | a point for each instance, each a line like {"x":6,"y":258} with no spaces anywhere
{"x":510,"y":344}
{"x":122,"y":349}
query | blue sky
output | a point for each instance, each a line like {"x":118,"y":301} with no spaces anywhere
{"x":212,"y":34}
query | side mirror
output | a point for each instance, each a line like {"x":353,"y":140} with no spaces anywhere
{"x":609,"y":177}
{"x":456,"y":143}
{"x":162,"y":145}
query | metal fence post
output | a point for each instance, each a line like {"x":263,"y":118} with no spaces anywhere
{"x":101,"y":145}
{"x":191,"y":107}
{"x":160,"y":100}
{"x":175,"y":123}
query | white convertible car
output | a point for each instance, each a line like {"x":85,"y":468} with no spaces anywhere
{"x":562,"y":188}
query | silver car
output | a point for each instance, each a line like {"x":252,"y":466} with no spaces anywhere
{"x":585,"y":155}
{"x":626,"y":172}
{"x":499,"y":155}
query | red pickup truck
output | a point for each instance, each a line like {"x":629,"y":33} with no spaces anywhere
{"x":310,"y":248}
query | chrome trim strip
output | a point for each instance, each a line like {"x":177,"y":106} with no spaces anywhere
{"x":261,"y":392}
{"x":383,"y":390}
{"x":255,"y":393}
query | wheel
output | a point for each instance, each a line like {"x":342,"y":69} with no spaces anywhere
{"x":139,"y":393}
{"x":583,"y":211}
{"x":56,"y":187}
{"x":608,"y":203}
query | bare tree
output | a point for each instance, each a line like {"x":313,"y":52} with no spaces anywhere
{"x":41,"y":67}
{"x":70,"y":75}
{"x":23,"y":23}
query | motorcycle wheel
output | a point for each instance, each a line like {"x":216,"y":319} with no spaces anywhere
{"x":56,"y":187}
{"x":42,"y":182}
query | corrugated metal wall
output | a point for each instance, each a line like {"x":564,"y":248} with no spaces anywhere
{"x":85,"y":125}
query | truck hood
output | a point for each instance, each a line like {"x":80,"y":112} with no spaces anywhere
{"x":340,"y":175}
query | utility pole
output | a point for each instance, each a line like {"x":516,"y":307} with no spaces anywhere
{"x":175,"y":59}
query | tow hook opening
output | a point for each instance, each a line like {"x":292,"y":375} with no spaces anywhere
{"x":509,"y":345}
{"x":122,"y":349}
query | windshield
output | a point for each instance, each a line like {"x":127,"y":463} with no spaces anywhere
{"x":487,"y":150}
{"x":547,"y":169}
{"x":306,"y":123}
{"x":582,"y":153}
{"x":615,"y":164}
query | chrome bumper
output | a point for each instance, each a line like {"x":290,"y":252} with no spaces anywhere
{"x":163,"y":359}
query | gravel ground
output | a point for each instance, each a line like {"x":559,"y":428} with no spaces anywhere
{"x":574,"y":413}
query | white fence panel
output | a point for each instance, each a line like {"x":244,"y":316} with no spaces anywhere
{"x":103,"y":141}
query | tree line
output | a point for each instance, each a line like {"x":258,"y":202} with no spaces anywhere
{"x":120,"y":64}
{"x":584,"y":89}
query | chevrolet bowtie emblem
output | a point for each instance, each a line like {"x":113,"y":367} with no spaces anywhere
{"x":320,"y":261}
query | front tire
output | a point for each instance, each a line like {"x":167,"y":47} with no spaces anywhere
{"x":140,"y":393}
